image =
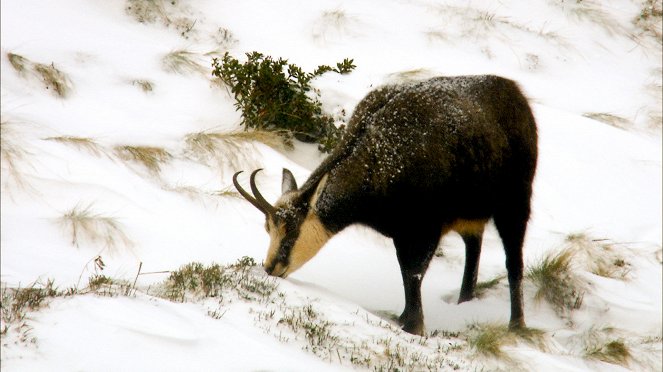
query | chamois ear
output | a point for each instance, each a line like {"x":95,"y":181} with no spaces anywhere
{"x":288,"y":183}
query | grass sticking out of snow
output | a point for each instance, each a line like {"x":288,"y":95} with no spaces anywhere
{"x":601,"y":345}
{"x":182,"y":62}
{"x":81,"y":143}
{"x":480,"y":24}
{"x":600,"y":257}
{"x":197,"y":194}
{"x":195,"y":280}
{"x":489,"y":339}
{"x":556,"y":282}
{"x":13,"y":154}
{"x":145,"y":85}
{"x":84,"y":226}
{"x":610,"y":119}
{"x":146,"y":11}
{"x":649,"y":20}
{"x":591,"y":11}
{"x":483,"y":287}
{"x":230,"y":149}
{"x":151,"y":157}
{"x":17,"y":302}
{"x":19,"y":63}
{"x":53,"y":79}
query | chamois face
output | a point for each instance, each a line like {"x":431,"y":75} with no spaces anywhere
{"x":296,"y":235}
{"x":295,"y":231}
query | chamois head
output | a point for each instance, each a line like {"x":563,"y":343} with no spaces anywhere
{"x":295,"y":231}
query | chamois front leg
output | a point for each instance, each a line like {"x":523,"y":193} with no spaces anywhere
{"x":413,"y":257}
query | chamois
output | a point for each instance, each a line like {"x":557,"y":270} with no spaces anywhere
{"x":418,"y":159}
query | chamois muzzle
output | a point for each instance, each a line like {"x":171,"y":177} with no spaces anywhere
{"x":256,"y":199}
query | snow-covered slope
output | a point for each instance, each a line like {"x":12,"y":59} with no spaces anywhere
{"x":594,"y":78}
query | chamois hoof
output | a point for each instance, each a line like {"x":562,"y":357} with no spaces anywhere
{"x":412,"y":326}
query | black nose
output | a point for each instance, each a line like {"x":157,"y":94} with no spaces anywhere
{"x":269,"y":269}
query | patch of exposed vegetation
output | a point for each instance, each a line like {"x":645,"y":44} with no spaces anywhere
{"x":80,"y":143}
{"x":599,"y":344}
{"x":171,"y":14}
{"x":53,"y":78}
{"x":195,"y":280}
{"x":480,"y":24}
{"x":19,"y":63}
{"x":332,"y":24}
{"x":16,"y":303}
{"x":183,"y":62}
{"x":600,"y":256}
{"x":650,"y":19}
{"x":229,"y":150}
{"x":13,"y":153}
{"x":146,"y":86}
{"x":483,"y":287}
{"x":610,"y":119}
{"x":591,"y":11}
{"x":489,"y":339}
{"x":557,"y":283}
{"x":150,"y":157}
{"x":85,"y":226}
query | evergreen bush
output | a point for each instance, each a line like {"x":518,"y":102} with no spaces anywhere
{"x":275,"y":95}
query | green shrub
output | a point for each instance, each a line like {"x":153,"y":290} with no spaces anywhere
{"x":277,"y":96}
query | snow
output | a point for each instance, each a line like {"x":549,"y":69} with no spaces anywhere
{"x":592,"y":178}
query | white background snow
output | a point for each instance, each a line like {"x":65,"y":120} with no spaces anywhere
{"x":592,"y":178}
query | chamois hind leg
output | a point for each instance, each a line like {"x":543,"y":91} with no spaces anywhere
{"x":414,"y":255}
{"x":472,"y":252}
{"x":511,"y":225}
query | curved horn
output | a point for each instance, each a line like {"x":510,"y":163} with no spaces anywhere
{"x":264,"y":208}
{"x":260,"y":199}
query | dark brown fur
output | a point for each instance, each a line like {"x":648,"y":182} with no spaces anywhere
{"x":420,"y":159}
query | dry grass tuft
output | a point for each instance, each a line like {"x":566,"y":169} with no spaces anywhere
{"x":334,"y":24}
{"x":54,"y":79}
{"x":197,"y":194}
{"x":557,"y":283}
{"x":84,"y":226}
{"x":610,"y":119}
{"x":80,"y":143}
{"x":591,"y":11}
{"x":147,"y":11}
{"x":489,"y":339}
{"x":19,"y":63}
{"x":599,"y":344}
{"x":16,"y":303}
{"x":145,"y":85}
{"x":482,"y":24}
{"x":151,"y":157}
{"x":599,"y":256}
{"x":183,"y":62}
{"x":171,"y":14}
{"x":483,"y":287}
{"x":229,"y":149}
{"x":650,"y":20}
{"x":228,"y":192}
{"x":13,"y":154}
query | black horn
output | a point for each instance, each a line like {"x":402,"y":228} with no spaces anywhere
{"x":258,"y":201}
{"x":270,"y":209}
